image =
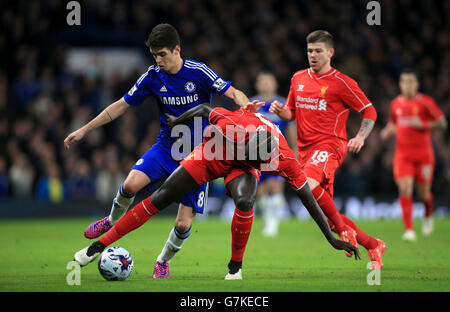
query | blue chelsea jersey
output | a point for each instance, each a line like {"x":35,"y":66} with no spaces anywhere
{"x":272,"y":117}
{"x":194,"y":84}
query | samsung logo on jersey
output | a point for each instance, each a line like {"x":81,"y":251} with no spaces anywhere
{"x":179,"y":100}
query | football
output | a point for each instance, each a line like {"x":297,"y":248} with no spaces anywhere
{"x":115,"y":264}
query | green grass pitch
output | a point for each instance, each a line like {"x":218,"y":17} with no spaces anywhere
{"x":35,"y":254}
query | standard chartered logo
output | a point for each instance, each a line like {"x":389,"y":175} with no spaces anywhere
{"x":307,"y":99}
{"x":323,"y":105}
{"x":311,"y":103}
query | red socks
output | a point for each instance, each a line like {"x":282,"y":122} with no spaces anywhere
{"x":407,"y":204}
{"x":329,"y":209}
{"x":429,"y":206}
{"x":363,"y":239}
{"x":133,"y":219}
{"x":240,"y":232}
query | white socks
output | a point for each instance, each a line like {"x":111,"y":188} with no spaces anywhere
{"x":121,"y":203}
{"x":271,"y":206}
{"x":278,"y":202}
{"x":173,"y":244}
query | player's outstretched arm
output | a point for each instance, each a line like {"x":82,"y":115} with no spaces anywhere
{"x":440,"y":123}
{"x":417,"y":123}
{"x":107,"y":115}
{"x":316,"y":213}
{"x":388,"y":131}
{"x":202,"y":110}
{"x":237,"y":96}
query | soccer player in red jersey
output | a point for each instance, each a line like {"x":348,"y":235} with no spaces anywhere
{"x":320,"y":99}
{"x":413,"y":116}
{"x":233,"y":152}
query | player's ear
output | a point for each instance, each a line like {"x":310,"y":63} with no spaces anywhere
{"x":331,"y":52}
{"x":177,"y":50}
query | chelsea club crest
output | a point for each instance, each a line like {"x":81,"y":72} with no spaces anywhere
{"x":189,"y":87}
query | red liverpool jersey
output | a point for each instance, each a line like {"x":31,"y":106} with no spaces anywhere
{"x":321,"y":104}
{"x":412,"y":142}
{"x":287,"y":164}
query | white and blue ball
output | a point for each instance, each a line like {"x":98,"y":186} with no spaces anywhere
{"x":115,"y":264}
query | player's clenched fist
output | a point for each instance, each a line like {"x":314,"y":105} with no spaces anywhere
{"x":171,"y":120}
{"x":276,"y":107}
{"x":74,"y":136}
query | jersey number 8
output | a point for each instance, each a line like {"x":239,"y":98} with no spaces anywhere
{"x":201,"y":199}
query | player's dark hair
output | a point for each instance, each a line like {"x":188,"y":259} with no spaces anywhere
{"x":163,"y":36}
{"x":409,"y":71}
{"x":320,"y":36}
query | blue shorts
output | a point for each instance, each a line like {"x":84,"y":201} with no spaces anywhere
{"x":158,"y":164}
{"x":266,"y":176}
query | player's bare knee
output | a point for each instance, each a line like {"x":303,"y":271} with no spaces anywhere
{"x":312,"y":183}
{"x":404,"y":192}
{"x":135,"y":181}
{"x":130,"y":187}
{"x":423,"y":195}
{"x":182,"y":225}
{"x":404,"y":189}
{"x":244,"y":204}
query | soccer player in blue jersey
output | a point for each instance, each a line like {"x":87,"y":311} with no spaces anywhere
{"x":178,"y":85}
{"x":271,"y":200}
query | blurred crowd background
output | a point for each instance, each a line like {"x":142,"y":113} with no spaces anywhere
{"x":42,"y":100}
